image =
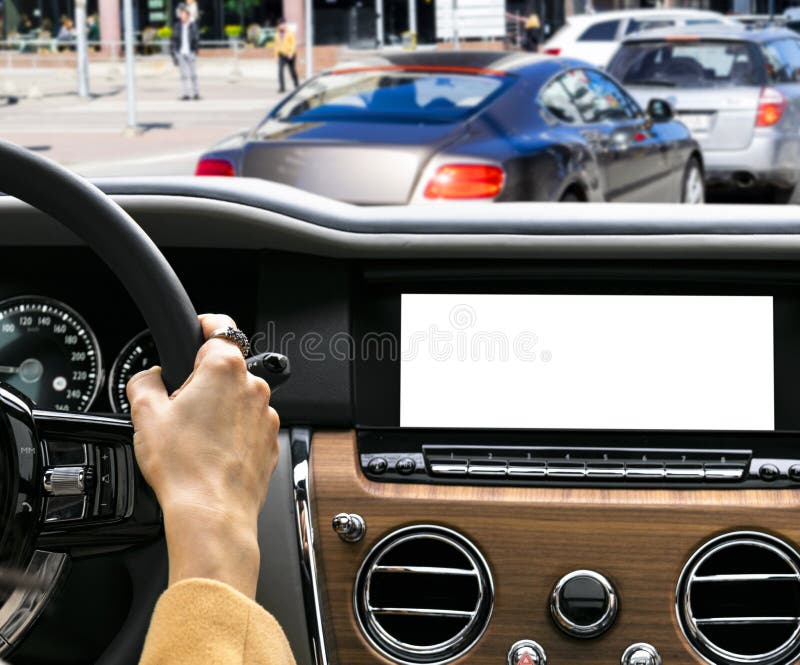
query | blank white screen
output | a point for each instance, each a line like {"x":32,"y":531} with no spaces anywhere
{"x":587,"y":362}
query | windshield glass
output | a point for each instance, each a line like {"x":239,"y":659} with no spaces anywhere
{"x":686,"y":64}
{"x":391,"y":95}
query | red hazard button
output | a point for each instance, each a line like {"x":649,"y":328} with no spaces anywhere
{"x":526,"y":652}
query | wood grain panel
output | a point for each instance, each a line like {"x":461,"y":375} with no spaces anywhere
{"x":638,"y":538}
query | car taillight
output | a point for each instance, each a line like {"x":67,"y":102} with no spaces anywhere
{"x":466,"y":181}
{"x":552,"y":51}
{"x":215,"y":167}
{"x":771,"y":105}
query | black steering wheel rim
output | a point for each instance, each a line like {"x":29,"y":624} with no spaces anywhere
{"x":152,"y":284}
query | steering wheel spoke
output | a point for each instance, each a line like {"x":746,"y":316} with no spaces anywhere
{"x":92,"y":491}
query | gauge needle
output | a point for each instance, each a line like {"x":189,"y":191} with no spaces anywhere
{"x":8,"y":369}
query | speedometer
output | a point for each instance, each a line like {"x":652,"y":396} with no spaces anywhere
{"x":138,"y":355}
{"x":49,"y":353}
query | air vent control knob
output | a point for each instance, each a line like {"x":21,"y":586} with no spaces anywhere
{"x":584,"y":603}
{"x":526,"y":652}
{"x":350,"y":527}
{"x":641,"y":654}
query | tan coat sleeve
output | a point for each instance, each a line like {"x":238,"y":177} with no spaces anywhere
{"x":197,"y":622}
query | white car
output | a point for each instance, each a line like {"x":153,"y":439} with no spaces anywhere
{"x":595,"y":38}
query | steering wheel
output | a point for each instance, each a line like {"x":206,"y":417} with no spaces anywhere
{"x":37,"y":488}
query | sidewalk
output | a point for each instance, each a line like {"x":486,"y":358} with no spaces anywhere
{"x":39,"y":108}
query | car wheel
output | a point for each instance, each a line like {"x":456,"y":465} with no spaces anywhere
{"x":786,"y":195}
{"x":570,"y":197}
{"x":693,"y":190}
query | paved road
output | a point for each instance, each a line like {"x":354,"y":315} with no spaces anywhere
{"x":40,"y":109}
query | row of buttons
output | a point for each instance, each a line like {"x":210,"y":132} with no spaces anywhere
{"x":592,"y":470}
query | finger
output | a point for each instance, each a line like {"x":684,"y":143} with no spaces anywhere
{"x":210,"y":322}
{"x":146,"y":389}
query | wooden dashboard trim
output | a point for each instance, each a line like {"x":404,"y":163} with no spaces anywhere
{"x":638,"y":538}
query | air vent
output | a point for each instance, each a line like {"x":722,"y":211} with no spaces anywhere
{"x":738,"y":600}
{"x":423,"y":595}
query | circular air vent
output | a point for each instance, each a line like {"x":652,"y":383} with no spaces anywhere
{"x":738,"y":600}
{"x":423,"y":595}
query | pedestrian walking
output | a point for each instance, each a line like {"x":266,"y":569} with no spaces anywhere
{"x":533,"y":27}
{"x":185,"y":42}
{"x":286,"y":48}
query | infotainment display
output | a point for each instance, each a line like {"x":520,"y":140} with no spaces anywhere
{"x":645,"y":362}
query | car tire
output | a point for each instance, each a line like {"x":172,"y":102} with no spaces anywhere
{"x":570,"y":197}
{"x":786,"y":195}
{"x":693,"y":188}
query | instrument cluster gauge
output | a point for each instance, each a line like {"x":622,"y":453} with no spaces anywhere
{"x":136,"y":356}
{"x":49,"y":353}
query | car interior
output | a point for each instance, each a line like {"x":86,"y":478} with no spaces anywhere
{"x":524,"y":433}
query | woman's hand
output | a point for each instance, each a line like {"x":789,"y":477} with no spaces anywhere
{"x":208,"y":452}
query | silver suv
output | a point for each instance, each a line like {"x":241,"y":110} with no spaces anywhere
{"x":737,"y":90}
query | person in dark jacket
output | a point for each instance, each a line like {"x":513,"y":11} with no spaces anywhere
{"x":185,"y":42}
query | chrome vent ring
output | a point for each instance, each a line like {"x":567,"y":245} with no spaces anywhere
{"x":424,"y":594}
{"x":738,"y":600}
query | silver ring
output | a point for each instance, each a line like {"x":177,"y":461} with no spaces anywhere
{"x":235,"y":336}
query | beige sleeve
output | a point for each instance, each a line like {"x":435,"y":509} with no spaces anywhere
{"x":199,"y":621}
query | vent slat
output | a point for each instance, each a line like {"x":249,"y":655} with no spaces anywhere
{"x":423,"y":595}
{"x":739,"y":600}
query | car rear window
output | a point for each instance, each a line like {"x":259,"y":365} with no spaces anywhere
{"x":395,"y":95}
{"x":606,"y":31}
{"x":635,"y":25}
{"x":783,"y":60}
{"x":688,"y":64}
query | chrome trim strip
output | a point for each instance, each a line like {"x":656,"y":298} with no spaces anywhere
{"x":430,"y":570}
{"x":733,"y":621}
{"x":300,"y":438}
{"x":417,"y":611}
{"x":25,"y":605}
{"x":747,"y":577}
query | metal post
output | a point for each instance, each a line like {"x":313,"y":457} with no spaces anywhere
{"x":130,"y":73}
{"x":379,"y":23}
{"x":412,"y":17}
{"x":454,"y":21}
{"x":82,"y":52}
{"x":309,"y":19}
{"x":771,"y":11}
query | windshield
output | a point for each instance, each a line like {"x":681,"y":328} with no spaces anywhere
{"x":374,"y":95}
{"x":688,"y":64}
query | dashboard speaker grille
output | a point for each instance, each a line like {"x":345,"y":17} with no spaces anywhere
{"x":738,"y":600}
{"x":423,"y":594}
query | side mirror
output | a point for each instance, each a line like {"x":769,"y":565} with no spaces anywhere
{"x":659,"y":110}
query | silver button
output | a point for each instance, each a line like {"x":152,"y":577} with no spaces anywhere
{"x":526,"y":652}
{"x":65,"y":481}
{"x":723,"y":472}
{"x":529,"y":470}
{"x":452,"y":469}
{"x":641,"y":654}
{"x":566,"y":470}
{"x":605,"y":470}
{"x":684,"y":472}
{"x":644,"y":471}
{"x":479,"y":469}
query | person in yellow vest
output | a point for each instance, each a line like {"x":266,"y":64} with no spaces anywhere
{"x":533,"y":27}
{"x":208,"y":451}
{"x":286,"y":48}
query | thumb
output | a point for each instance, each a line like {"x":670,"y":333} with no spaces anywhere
{"x":146,"y":390}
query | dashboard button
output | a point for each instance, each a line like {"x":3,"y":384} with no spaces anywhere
{"x":566,"y":469}
{"x":487,"y":468}
{"x":65,"y":508}
{"x":794,"y":472}
{"x":405,"y":466}
{"x":449,"y":467}
{"x":637,"y":471}
{"x":526,"y":652}
{"x":377,"y":465}
{"x":605,"y":470}
{"x":724,"y":472}
{"x":641,"y":654}
{"x":525,"y":469}
{"x":583,"y":604}
{"x":769,"y":472}
{"x":684,"y":472}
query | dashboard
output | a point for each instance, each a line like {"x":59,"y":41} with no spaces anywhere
{"x":602,"y":467}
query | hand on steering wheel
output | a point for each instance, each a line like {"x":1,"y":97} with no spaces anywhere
{"x":208,"y":451}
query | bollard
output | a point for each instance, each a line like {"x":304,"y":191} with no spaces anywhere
{"x":235,"y":74}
